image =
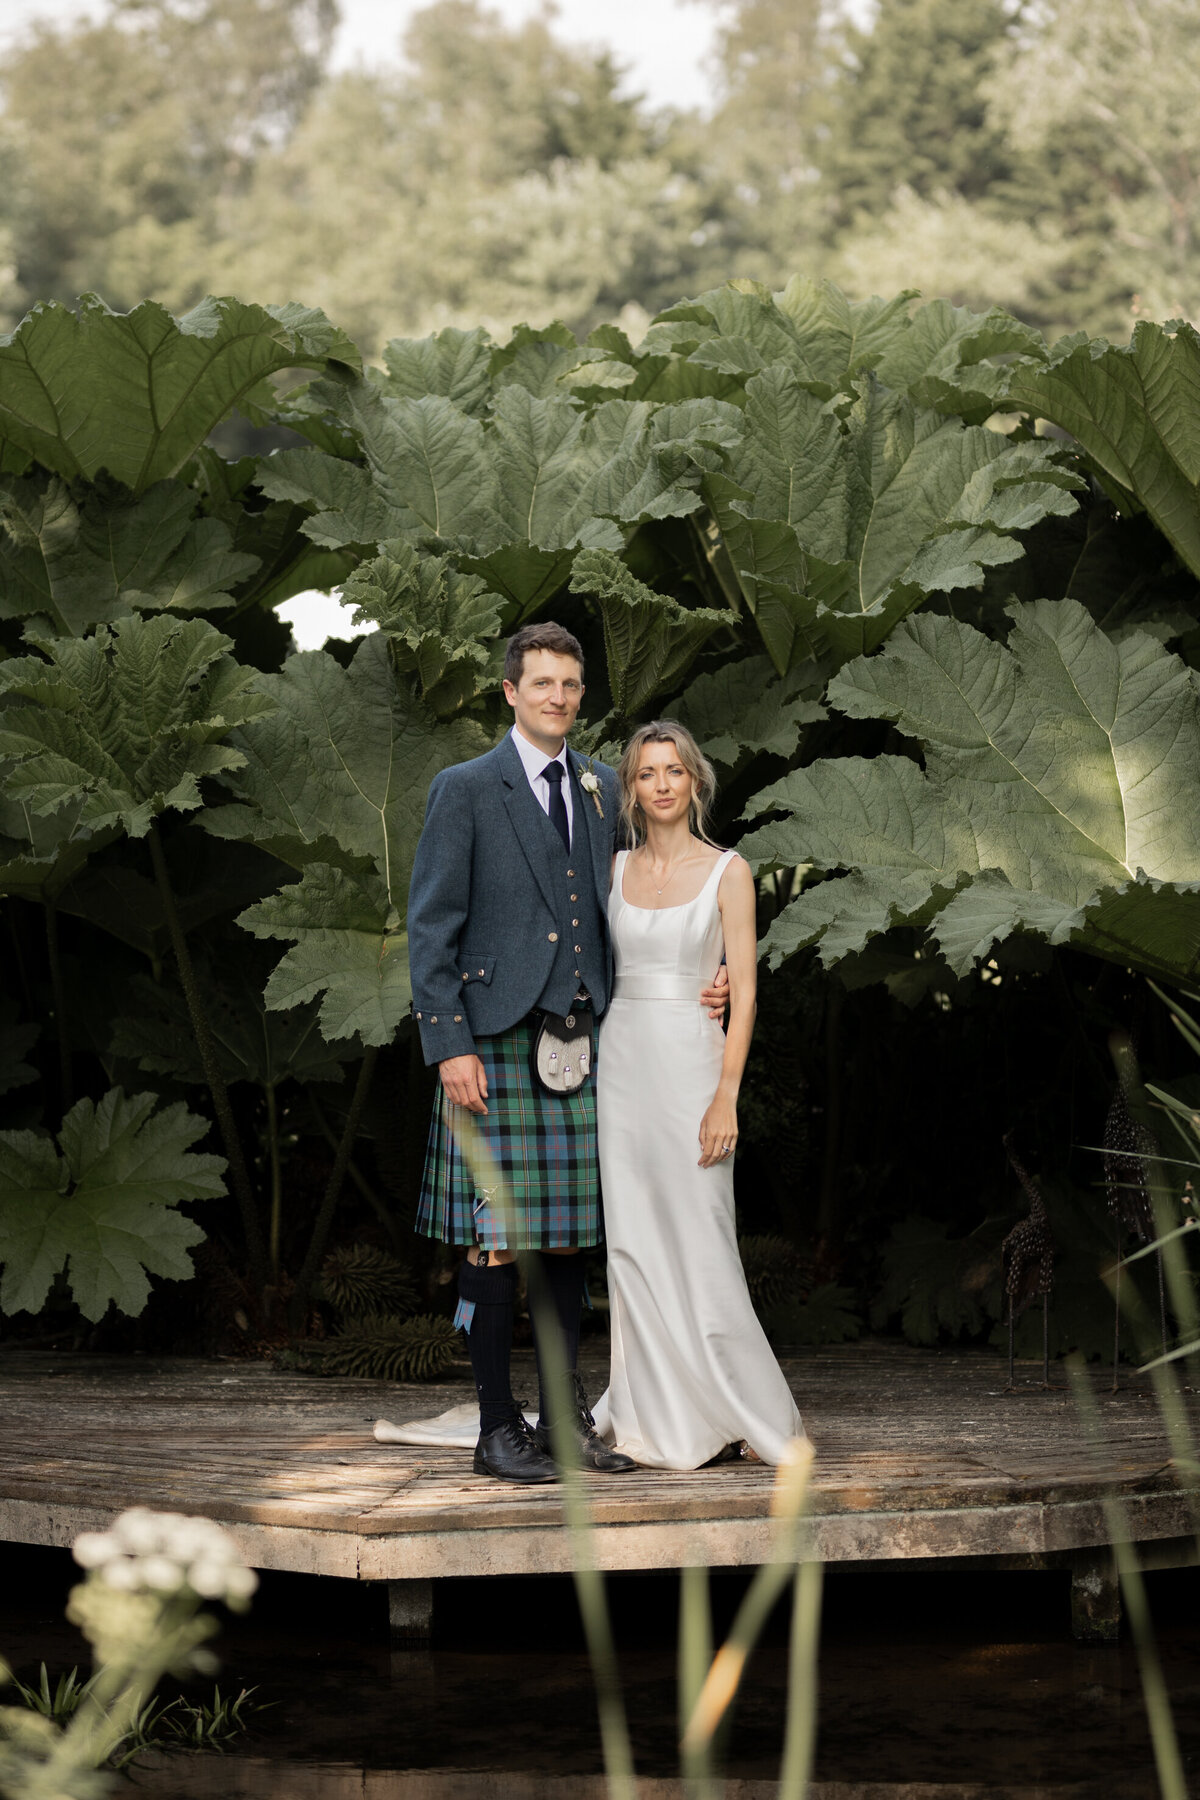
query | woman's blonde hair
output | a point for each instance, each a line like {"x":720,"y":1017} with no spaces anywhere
{"x":704,"y":780}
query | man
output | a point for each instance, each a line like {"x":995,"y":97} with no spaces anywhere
{"x":506,"y":915}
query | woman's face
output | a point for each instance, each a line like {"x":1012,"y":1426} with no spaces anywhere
{"x":662,"y":786}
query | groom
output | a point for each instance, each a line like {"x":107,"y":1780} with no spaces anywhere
{"x":506,"y":915}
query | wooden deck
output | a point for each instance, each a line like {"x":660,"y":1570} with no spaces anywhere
{"x":920,"y":1455}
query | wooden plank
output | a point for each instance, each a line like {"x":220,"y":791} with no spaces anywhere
{"x":919,"y":1455}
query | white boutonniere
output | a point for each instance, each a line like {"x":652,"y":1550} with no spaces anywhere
{"x":589,"y":781}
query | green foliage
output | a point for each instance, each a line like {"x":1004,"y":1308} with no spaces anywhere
{"x":334,"y":783}
{"x":378,"y":1346}
{"x":442,"y":624}
{"x":937,"y":1284}
{"x":144,"y":389}
{"x":825,"y":1315}
{"x":839,"y":527}
{"x":741,"y":710}
{"x":70,"y":564}
{"x":253,"y":1043}
{"x":650,"y":640}
{"x":103,"y":1211}
{"x":772,"y":1266}
{"x":361,"y":1278}
{"x":15,"y":1043}
{"x":1055,"y":798}
{"x":124,"y":724}
{"x":1135,"y":410}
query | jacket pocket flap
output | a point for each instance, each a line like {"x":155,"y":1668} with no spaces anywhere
{"x":475,"y":967}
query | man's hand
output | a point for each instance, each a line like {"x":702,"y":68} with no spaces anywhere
{"x":465,"y":1082}
{"x":716,"y":997}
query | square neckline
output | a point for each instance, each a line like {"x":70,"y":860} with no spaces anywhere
{"x":679,"y":905}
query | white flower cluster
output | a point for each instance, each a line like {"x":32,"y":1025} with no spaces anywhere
{"x":165,"y":1552}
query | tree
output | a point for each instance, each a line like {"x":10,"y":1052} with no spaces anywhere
{"x":908,"y":108}
{"x":1101,"y":95}
{"x":126,"y":138}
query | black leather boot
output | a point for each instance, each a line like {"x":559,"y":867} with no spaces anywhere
{"x":509,"y":1453}
{"x":592,"y":1451}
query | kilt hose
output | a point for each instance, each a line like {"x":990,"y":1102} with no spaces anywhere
{"x":526,"y":1177}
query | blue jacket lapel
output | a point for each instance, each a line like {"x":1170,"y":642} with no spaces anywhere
{"x":528,"y":820}
{"x":588,"y":820}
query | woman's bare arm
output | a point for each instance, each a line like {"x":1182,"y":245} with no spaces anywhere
{"x":737,"y":901}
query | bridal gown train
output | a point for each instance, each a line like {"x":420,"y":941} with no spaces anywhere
{"x":691,"y":1369}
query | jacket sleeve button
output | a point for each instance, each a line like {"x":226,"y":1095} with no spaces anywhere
{"x":467,"y":974}
{"x":481,"y":971}
{"x":458,"y":1018}
{"x":433,"y":1018}
{"x":420,"y":1015}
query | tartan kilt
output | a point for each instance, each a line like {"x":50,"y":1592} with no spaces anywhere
{"x":526,"y":1177}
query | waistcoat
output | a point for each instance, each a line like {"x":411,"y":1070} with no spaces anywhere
{"x":581,"y":952}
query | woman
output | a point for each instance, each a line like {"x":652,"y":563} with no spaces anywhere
{"x":691,"y":1369}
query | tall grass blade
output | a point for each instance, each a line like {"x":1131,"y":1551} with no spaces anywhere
{"x":695,"y":1657}
{"x":1168,"y":1762}
{"x":800,"y":1735}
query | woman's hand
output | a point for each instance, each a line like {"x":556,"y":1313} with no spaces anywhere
{"x":718,"y":1132}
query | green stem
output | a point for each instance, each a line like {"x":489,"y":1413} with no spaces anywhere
{"x":333,"y":1192}
{"x":386,"y":1218}
{"x":206,"y":1044}
{"x":276,"y":1179}
{"x":66,"y":1084}
{"x":830,"y":1169}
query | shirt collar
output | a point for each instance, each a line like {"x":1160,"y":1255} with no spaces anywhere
{"x":533,"y":759}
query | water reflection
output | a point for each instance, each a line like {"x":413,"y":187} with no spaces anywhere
{"x":946,"y":1686}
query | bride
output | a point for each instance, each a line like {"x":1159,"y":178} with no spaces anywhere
{"x":691,"y":1373}
{"x":691,"y":1369}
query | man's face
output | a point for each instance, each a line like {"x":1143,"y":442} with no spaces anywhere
{"x":546,"y":699}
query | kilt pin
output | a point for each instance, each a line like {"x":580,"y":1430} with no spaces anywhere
{"x":503,"y":919}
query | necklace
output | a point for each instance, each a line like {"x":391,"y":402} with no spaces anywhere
{"x":675,"y":867}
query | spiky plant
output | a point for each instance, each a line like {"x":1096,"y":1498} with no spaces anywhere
{"x":382,"y":1347}
{"x":361,"y":1278}
{"x":774,"y":1270}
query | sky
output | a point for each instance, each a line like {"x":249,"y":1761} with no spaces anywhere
{"x":663,"y":43}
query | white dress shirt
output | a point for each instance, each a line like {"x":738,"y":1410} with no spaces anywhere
{"x":534,"y":761}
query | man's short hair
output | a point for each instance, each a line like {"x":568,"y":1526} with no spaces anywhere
{"x":546,"y":636}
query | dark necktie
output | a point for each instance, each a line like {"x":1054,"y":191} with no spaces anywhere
{"x":553,"y":773}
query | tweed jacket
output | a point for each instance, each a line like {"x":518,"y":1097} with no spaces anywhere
{"x":483,"y":906}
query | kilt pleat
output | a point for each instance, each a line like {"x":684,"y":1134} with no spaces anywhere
{"x":525,"y":1177}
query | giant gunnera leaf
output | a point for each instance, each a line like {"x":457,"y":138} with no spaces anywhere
{"x":443,"y":625}
{"x":101,"y":1206}
{"x":136,"y":393}
{"x":122,"y":725}
{"x":649,"y":638}
{"x":72,"y":558}
{"x":1057,"y":798}
{"x":1135,"y":409}
{"x":334,"y":783}
{"x":840,"y":523}
{"x":517,"y":492}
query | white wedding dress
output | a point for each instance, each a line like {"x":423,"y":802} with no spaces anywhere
{"x":691,"y":1368}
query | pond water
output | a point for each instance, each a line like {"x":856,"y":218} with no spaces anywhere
{"x":933,"y":1687}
